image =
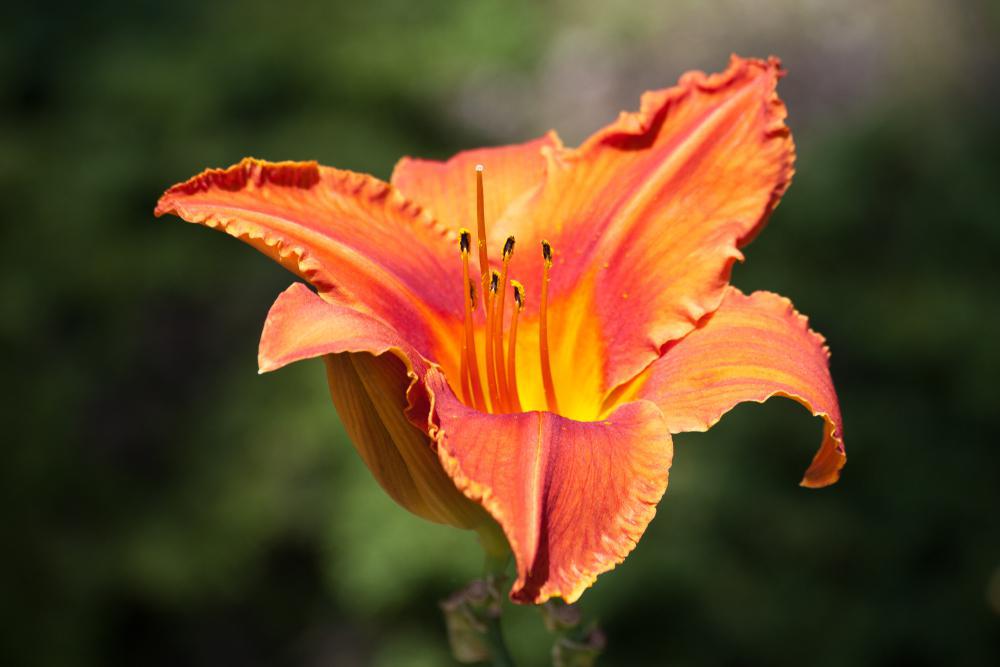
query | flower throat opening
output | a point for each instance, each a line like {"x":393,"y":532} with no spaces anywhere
{"x":500,"y":392}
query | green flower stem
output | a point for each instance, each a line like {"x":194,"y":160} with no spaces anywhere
{"x":499,"y":654}
{"x":472,"y":614}
{"x":497,"y":558}
{"x":575,"y":645}
{"x":497,"y":551}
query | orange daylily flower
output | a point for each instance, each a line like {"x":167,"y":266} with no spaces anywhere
{"x":551,"y":408}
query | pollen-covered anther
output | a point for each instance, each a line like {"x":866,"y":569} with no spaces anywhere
{"x":508,"y":247}
{"x":547,"y":253}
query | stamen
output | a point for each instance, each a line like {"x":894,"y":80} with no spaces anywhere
{"x":463,"y":247}
{"x":463,"y":374}
{"x":470,"y":359}
{"x":508,"y":247}
{"x":514,"y":399}
{"x":490,"y":305}
{"x":508,"y":250}
{"x":478,"y":389}
{"x":543,"y":331}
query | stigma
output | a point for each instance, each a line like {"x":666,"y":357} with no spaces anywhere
{"x":499,"y":392}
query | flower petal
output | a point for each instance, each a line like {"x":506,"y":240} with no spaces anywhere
{"x":752,"y":348}
{"x":371,"y":372}
{"x":448,"y":189}
{"x":651,"y":210}
{"x":301,"y":325}
{"x":572,"y":497}
{"x":355,"y":238}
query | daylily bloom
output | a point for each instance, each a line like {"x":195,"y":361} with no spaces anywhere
{"x":549,"y":410}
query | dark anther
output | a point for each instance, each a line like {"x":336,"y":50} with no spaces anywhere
{"x":546,"y":252}
{"x":508,"y":247}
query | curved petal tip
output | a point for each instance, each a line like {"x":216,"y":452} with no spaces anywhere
{"x":752,"y":348}
{"x":573,"y":498}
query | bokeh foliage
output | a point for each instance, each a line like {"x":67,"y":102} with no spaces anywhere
{"x":164,"y":505}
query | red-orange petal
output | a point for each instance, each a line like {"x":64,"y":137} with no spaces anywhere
{"x":301,"y":325}
{"x":374,"y":381}
{"x":572,"y":497}
{"x":448,"y":189}
{"x":354,"y":237}
{"x":652,"y":209}
{"x":750,"y":349}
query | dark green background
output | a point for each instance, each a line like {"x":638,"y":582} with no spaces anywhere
{"x":164,"y":505}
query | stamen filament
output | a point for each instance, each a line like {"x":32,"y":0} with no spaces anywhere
{"x":463,"y":373}
{"x":470,"y":359}
{"x":508,"y":251}
{"x":543,"y":331}
{"x":491,"y":376}
{"x":514,"y":400}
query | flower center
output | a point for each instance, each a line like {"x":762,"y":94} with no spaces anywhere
{"x":500,"y":392}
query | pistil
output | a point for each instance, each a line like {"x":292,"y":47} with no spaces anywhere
{"x":484,"y":276}
{"x":484,"y":259}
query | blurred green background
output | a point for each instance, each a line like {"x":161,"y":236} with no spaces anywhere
{"x":164,"y":505}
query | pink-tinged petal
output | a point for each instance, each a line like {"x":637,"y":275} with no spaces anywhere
{"x":572,"y":497}
{"x":301,"y":325}
{"x":448,"y":189}
{"x":651,"y":210}
{"x":371,"y":372}
{"x":750,"y":349}
{"x":355,"y":238}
